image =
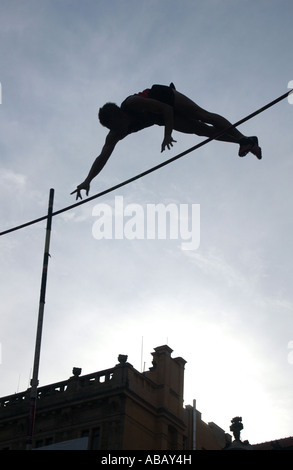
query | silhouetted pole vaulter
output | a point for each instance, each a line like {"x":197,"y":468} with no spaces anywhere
{"x":163,"y":106}
{"x":35,"y":380}
{"x":150,"y":170}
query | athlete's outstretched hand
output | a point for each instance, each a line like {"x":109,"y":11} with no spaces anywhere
{"x":85,"y":186}
{"x":167,"y":142}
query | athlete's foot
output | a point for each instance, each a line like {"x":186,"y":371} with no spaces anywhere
{"x":256,"y":150}
{"x":246,"y":145}
{"x":249,"y":144}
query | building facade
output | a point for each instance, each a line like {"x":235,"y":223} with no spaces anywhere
{"x":114,"y":409}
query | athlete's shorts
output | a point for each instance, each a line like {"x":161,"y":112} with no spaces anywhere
{"x":162,"y":93}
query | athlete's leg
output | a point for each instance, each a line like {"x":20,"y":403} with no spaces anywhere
{"x":192,"y":126}
{"x":186,"y":108}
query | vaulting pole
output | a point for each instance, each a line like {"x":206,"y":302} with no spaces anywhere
{"x":35,"y":381}
{"x":194,"y":425}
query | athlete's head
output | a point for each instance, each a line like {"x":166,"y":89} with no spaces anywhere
{"x":110,"y":115}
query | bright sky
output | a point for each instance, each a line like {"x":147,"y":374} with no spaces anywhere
{"x":226,"y":306}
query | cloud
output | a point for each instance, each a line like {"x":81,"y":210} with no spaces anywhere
{"x":9,"y":177}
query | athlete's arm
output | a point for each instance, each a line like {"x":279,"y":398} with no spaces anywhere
{"x":138,"y":103}
{"x":99,"y":163}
